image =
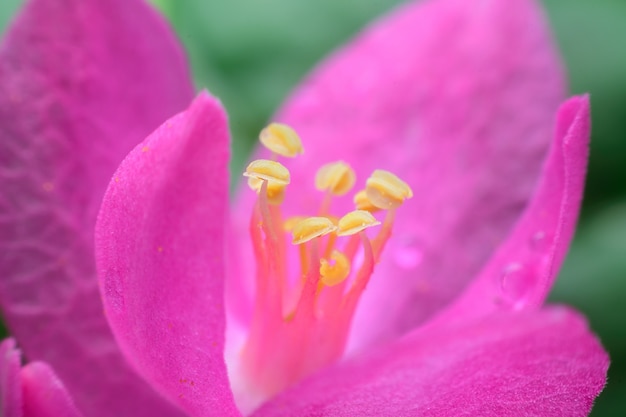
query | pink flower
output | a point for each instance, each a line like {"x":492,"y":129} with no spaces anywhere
{"x":31,"y":391}
{"x":459,"y":100}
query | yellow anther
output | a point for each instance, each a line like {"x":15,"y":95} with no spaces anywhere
{"x":336,"y":272}
{"x":361,"y":202}
{"x":271,"y":171}
{"x":275,"y":191}
{"x":355,"y":221}
{"x":310,"y":228}
{"x":282,"y":140}
{"x":291,"y":222}
{"x":336,"y":177}
{"x":386,"y":191}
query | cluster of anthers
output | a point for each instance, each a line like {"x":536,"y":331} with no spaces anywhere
{"x":302,"y":324}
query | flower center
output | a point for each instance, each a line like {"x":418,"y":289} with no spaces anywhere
{"x":301,"y":323}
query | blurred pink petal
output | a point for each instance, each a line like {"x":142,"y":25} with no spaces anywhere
{"x":159,"y":243}
{"x":43,"y":394}
{"x":32,"y":391}
{"x":81,"y":83}
{"x":10,"y":389}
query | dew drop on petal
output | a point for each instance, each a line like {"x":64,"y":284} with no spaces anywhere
{"x":516,"y":281}
{"x":538,"y":241}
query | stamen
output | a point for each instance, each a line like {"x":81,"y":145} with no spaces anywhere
{"x":361,"y":202}
{"x":291,"y":222}
{"x":264,"y":169}
{"x":352,"y":297}
{"x":379,"y":242}
{"x":333,"y":274}
{"x":336,"y":177}
{"x":355,"y":221}
{"x":275,"y":190}
{"x":301,"y":323}
{"x":288,"y":227}
{"x":311,"y":228}
{"x":387,"y":191}
{"x":282,"y":140}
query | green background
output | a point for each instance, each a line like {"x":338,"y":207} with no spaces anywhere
{"x":250,"y":53}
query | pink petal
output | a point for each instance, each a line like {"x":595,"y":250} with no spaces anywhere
{"x":44,"y":395}
{"x":159,"y":249}
{"x":544,"y":363}
{"x":458,"y":99}
{"x":522,"y":271}
{"x":81,"y":83}
{"x":10,"y":390}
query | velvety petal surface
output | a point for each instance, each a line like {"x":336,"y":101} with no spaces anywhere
{"x":457,"y":98}
{"x":10,"y":389}
{"x":81,"y":83}
{"x":542,"y":363}
{"x":43,"y":393}
{"x":160,"y":256}
{"x":522,"y":270}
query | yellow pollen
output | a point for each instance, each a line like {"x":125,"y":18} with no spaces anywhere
{"x":387,"y":191}
{"x":361,"y":202}
{"x":270,"y":171}
{"x":291,"y":222}
{"x":275,"y":191}
{"x":310,"y":228}
{"x":335,"y":273}
{"x":282,"y":140}
{"x":336,"y":177}
{"x":355,"y":221}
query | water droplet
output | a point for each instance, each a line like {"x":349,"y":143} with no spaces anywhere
{"x":559,"y":313}
{"x":407,"y":254}
{"x":538,"y":241}
{"x":515,"y":284}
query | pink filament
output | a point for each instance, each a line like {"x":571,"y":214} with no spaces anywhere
{"x":286,"y":343}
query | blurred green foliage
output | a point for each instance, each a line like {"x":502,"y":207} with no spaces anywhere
{"x":590,"y":34}
{"x":7,"y":9}
{"x":593,"y":279}
{"x":251,"y":53}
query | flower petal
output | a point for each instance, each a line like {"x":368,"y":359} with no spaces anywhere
{"x":542,"y":363}
{"x":524,"y":267}
{"x":159,"y":250}
{"x":81,"y":83}
{"x":44,"y":395}
{"x":10,"y":390}
{"x":456,"y":98}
